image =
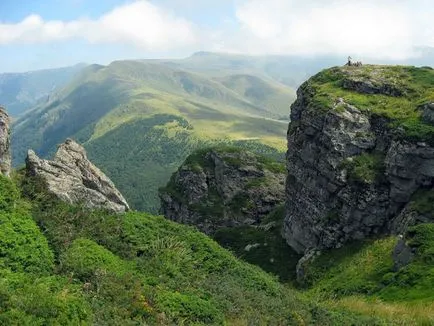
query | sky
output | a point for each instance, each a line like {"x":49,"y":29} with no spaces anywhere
{"x":36,"y":34}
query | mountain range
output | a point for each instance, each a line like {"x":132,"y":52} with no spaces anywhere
{"x":139,"y":119}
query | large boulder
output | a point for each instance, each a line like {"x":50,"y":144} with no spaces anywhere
{"x":74,"y":179}
{"x":5,"y":153}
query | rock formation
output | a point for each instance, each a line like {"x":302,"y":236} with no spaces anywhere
{"x":74,"y":179}
{"x":223,"y":187}
{"x":5,"y":153}
{"x":359,"y":156}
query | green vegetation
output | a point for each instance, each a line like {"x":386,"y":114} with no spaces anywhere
{"x":413,"y":283}
{"x":361,"y":277}
{"x":23,"y":248}
{"x":130,"y":269}
{"x":365,"y":168}
{"x":357,"y":268}
{"x":140,"y":120}
{"x":262,"y":245}
{"x":91,"y":267}
{"x":397,"y":93}
{"x":423,"y":202}
{"x":141,"y":155}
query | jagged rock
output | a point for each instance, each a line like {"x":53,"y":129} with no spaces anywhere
{"x":222,"y":188}
{"x":5,"y":152}
{"x":328,"y":204}
{"x":74,"y":179}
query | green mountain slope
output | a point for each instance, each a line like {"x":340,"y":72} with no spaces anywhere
{"x":20,"y":92}
{"x":92,"y":268}
{"x":259,"y":91}
{"x":287,"y":70}
{"x":141,"y":119}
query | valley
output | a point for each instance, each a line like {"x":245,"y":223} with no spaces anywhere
{"x":140,"y":119}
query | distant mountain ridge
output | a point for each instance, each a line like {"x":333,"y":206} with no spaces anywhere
{"x":139,"y":120}
{"x":20,"y":92}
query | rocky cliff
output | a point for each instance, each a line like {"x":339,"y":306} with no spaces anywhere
{"x":5,"y":153}
{"x":223,"y":187}
{"x":360,"y":155}
{"x":74,"y":179}
{"x":237,"y":197}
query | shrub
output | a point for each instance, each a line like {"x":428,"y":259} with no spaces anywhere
{"x":9,"y":194}
{"x":52,"y":300}
{"x":188,"y":308}
{"x":365,"y":168}
{"x":85,"y":258}
{"x":22,"y":245}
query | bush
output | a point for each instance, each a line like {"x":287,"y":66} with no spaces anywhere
{"x":9,"y":194}
{"x":23,"y":248}
{"x":365,"y":168}
{"x":188,"y":308}
{"x":84,"y":258}
{"x":52,"y":300}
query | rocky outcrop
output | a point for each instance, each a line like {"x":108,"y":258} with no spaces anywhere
{"x":74,"y":179}
{"x":5,"y":152}
{"x":352,"y":173}
{"x":402,"y":254}
{"x":223,"y":187}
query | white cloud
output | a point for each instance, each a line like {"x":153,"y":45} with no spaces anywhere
{"x":381,"y":28}
{"x":386,"y":29}
{"x":140,"y":23}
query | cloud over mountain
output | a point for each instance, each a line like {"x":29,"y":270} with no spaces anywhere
{"x":383,"y":29}
{"x":139,"y":23}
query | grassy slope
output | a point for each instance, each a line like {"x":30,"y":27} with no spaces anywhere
{"x":416,"y":86}
{"x":126,"y":105}
{"x":361,"y":277}
{"x":95,"y":268}
{"x":260,"y":92}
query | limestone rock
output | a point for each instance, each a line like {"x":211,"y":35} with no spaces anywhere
{"x":74,"y":179}
{"x":5,"y":152}
{"x":222,"y":188}
{"x":327,"y":206}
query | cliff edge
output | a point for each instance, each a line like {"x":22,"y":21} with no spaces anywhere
{"x":360,"y":155}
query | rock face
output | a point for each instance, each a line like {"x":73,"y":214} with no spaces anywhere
{"x":223,"y":187}
{"x":74,"y":179}
{"x":353,"y":169}
{"x":5,"y":152}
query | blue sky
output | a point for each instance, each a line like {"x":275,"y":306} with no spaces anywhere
{"x":37,"y":34}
